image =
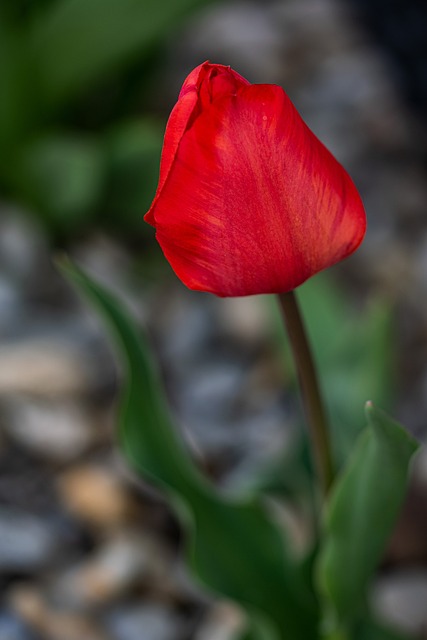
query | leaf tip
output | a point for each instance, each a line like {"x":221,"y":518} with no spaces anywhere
{"x":383,"y":424}
{"x":68,"y":268}
{"x":60,"y":257}
{"x":62,"y":262}
{"x":370,"y":410}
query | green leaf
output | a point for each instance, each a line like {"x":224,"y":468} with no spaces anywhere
{"x":370,"y":630}
{"x":362,"y":509}
{"x":234,"y":547}
{"x":258,"y":628}
{"x":78,"y":42}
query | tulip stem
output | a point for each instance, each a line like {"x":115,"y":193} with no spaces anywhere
{"x":310,"y":391}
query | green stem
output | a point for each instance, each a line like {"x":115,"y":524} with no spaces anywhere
{"x":310,"y":392}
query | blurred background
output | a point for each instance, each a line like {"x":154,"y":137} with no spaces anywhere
{"x":86,"y":87}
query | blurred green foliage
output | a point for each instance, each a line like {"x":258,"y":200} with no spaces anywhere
{"x":355,"y":355}
{"x":79,"y":134}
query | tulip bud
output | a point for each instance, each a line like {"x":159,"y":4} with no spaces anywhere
{"x":249,"y":200}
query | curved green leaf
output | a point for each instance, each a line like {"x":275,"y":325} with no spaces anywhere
{"x":362,"y":510}
{"x":235,"y":548}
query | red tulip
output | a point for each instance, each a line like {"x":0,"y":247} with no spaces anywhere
{"x":249,"y":200}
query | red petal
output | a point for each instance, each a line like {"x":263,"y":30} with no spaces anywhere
{"x":253,"y":202}
{"x":175,"y":129}
{"x":213,"y":79}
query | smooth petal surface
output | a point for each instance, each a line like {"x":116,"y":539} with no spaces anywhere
{"x":249,"y":200}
